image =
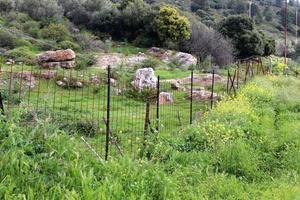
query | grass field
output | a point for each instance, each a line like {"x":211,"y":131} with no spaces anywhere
{"x":246,"y":148}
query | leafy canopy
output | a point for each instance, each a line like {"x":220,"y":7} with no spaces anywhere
{"x":247,"y":40}
{"x":171,"y":25}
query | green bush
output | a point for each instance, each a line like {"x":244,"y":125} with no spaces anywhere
{"x":56,"y":32}
{"x":69,"y":45}
{"x":7,"y":39}
{"x":83,"y":61}
{"x":22,"y":54}
{"x":21,"y":42}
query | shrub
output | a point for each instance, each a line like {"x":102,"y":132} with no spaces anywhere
{"x":148,"y":63}
{"x":22,"y":54}
{"x":32,"y":28}
{"x":84,"y":61}
{"x":7,"y":39}
{"x":69,"y":45}
{"x":171,"y":25}
{"x":21,"y":42}
{"x":56,"y":32}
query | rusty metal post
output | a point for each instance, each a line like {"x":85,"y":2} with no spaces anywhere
{"x":1,"y":104}
{"x":191,"y":100}
{"x":157,"y":103}
{"x":147,"y":120}
{"x":108,"y":114}
{"x":228,"y":79}
{"x":212,"y":90}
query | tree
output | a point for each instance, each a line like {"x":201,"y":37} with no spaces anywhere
{"x":268,"y":14}
{"x":171,"y":25}
{"x":205,"y":42}
{"x":56,"y":32}
{"x":246,"y":39}
{"x":42,"y":9}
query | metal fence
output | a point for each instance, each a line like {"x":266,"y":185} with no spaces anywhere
{"x":108,"y":114}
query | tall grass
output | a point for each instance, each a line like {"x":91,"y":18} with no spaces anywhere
{"x":246,"y":148}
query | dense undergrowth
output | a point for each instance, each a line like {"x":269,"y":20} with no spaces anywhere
{"x":246,"y":148}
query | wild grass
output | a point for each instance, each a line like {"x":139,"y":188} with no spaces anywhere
{"x":246,"y":148}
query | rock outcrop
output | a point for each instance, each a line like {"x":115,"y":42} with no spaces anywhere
{"x":144,"y":78}
{"x":61,"y":58}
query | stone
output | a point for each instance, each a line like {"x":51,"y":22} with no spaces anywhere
{"x":118,"y":92}
{"x":113,"y":82}
{"x":112,"y":60}
{"x":209,"y":77}
{"x":48,"y":74}
{"x":10,"y":62}
{"x":176,"y":85}
{"x":185,"y":59}
{"x":63,"y":64}
{"x":94,"y":80}
{"x":56,"y":56}
{"x":165,"y":98}
{"x":203,"y":95}
{"x":144,"y":78}
{"x":79,"y":84}
{"x":27,"y":79}
{"x":61,"y":83}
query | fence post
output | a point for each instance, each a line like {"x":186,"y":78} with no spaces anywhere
{"x":157,"y":103}
{"x":107,"y":115}
{"x":191,"y":100}
{"x":212,"y":90}
{"x":238,"y":75}
{"x":228,"y":79}
{"x":1,"y":104}
{"x":147,"y":120}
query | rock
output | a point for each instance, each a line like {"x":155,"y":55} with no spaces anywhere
{"x":185,"y":59}
{"x":60,"y":58}
{"x":109,"y":60}
{"x":161,"y":54}
{"x":144,"y":78}
{"x":165,"y":98}
{"x":95,"y":80}
{"x":176,"y":85}
{"x":79,"y":84}
{"x":203,"y":95}
{"x":209,"y":77}
{"x":48,"y":74}
{"x":27,"y":79}
{"x":118,"y":92}
{"x":113,"y":82}
{"x":56,"y":56}
{"x":61,"y":83}
{"x":63,"y":64}
{"x":10,"y":62}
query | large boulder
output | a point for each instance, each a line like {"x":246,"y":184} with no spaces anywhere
{"x":144,"y":78}
{"x":56,"y":56}
{"x":61,"y":58}
{"x":165,"y":98}
{"x":185,"y":59}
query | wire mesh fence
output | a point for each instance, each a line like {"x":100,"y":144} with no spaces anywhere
{"x":113,"y":118}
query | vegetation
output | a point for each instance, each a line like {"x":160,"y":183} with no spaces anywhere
{"x":249,"y":151}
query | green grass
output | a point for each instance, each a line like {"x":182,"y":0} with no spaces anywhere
{"x":172,"y":74}
{"x":127,"y":49}
{"x":246,"y":148}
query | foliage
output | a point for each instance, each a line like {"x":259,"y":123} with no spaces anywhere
{"x":246,"y":39}
{"x":56,"y":32}
{"x":22,"y":54}
{"x":6,"y":39}
{"x":171,"y":25}
{"x":69,"y":45}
